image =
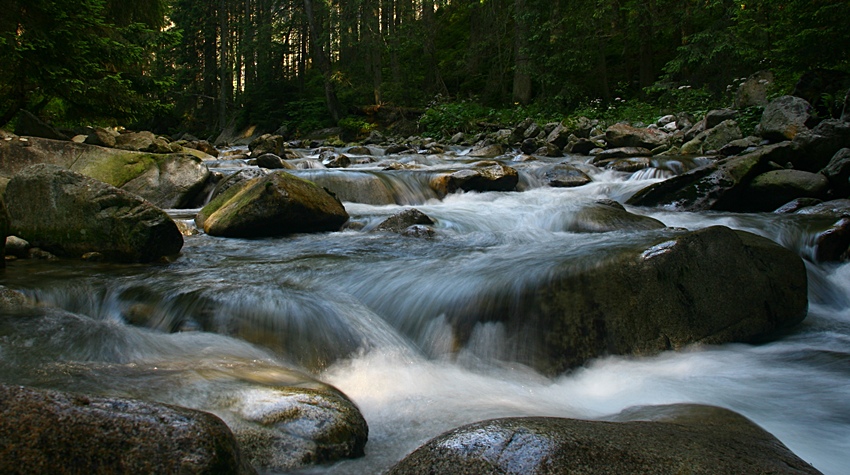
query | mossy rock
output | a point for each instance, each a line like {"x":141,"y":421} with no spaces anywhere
{"x":274,"y":205}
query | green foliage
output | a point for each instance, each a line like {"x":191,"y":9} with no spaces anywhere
{"x":452,"y":117}
{"x":356,"y":126}
{"x":748,"y":118}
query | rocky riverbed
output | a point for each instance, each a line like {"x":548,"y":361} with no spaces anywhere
{"x":543,"y":247}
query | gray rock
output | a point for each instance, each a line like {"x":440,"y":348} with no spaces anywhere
{"x":716,"y":186}
{"x":623,"y":135}
{"x":565,"y":176}
{"x":167,"y":180}
{"x":141,"y":142}
{"x":15,"y":246}
{"x":302,"y":426}
{"x":607,"y":215}
{"x":31,"y":126}
{"x":784,"y":118}
{"x":816,"y":147}
{"x":653,"y":440}
{"x":713,"y":139}
{"x":50,"y":431}
{"x":69,"y":214}
{"x":753,"y":91}
{"x":559,"y":136}
{"x":102,"y":137}
{"x":332,"y":159}
{"x":485,"y":176}
{"x":837,"y":171}
{"x":274,"y":205}
{"x":715,"y":117}
{"x":833,"y":244}
{"x":772,"y":189}
{"x":488,"y":151}
{"x":267,"y":143}
{"x":273,"y":162}
{"x":622,"y":152}
{"x":399,"y":222}
{"x":356,"y":187}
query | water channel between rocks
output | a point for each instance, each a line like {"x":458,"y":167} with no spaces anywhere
{"x":368,"y":313}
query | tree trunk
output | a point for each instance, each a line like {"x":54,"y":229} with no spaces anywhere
{"x":225,"y":83}
{"x":322,"y":62}
{"x":522,"y":62}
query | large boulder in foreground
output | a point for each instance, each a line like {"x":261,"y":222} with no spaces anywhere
{"x":274,"y":205}
{"x":53,"y":432}
{"x":69,"y":214}
{"x":166,"y":180}
{"x":675,"y":439}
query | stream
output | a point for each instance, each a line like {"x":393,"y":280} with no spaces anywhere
{"x":366,"y":312}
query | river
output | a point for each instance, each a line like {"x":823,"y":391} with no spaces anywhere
{"x":366,"y":312}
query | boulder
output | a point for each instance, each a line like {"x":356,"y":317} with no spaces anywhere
{"x":837,"y":171}
{"x":50,"y":431}
{"x":359,"y":150}
{"x":237,"y":178}
{"x":274,"y":205}
{"x":624,"y":135}
{"x":356,"y":187}
{"x":286,"y":428}
{"x":740,"y":145}
{"x":559,"y":136}
{"x":398,"y":222}
{"x":784,"y":118}
{"x":102,"y":137}
{"x":4,"y":232}
{"x":267,"y":143}
{"x":717,"y":186}
{"x":816,"y":147}
{"x":141,"y":142}
{"x":273,"y":162}
{"x":833,"y":244}
{"x":565,"y":176}
{"x":713,"y":139}
{"x":753,"y":91}
{"x":621,"y":152}
{"x":666,"y":290}
{"x":629,"y":165}
{"x":166,"y":180}
{"x":608,"y":215}
{"x":581,"y":146}
{"x":31,"y":126}
{"x":549,"y":150}
{"x":772,"y":189}
{"x":487,"y":151}
{"x":713,"y":118}
{"x":69,"y":214}
{"x":201,"y":145}
{"x":485,"y":176}
{"x":652,"y":440}
{"x":683,"y":290}
{"x":334,"y":160}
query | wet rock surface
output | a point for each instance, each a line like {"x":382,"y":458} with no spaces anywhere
{"x":44,"y":431}
{"x":69,"y":214}
{"x":649,"y":440}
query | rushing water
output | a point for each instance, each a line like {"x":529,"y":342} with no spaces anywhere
{"x":368,"y":313}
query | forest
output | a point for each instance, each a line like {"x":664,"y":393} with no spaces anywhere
{"x":300,"y":65}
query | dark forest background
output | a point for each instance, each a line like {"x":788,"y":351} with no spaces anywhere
{"x":206,"y":65}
